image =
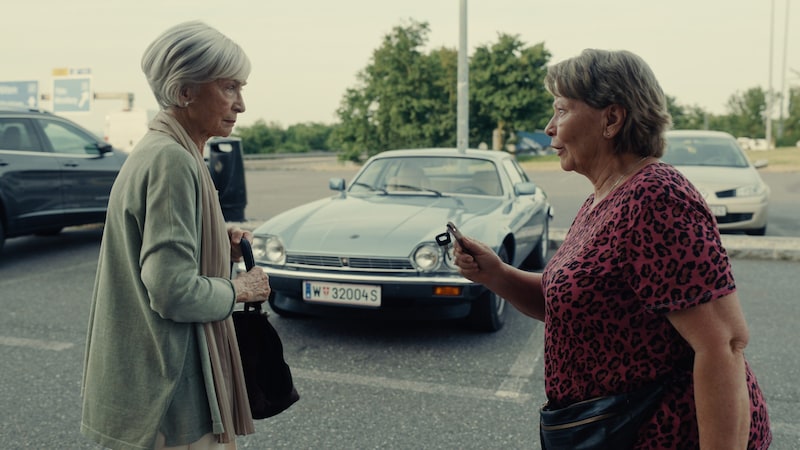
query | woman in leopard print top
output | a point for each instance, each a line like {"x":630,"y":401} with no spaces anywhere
{"x":641,"y":289}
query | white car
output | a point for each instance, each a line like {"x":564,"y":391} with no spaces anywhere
{"x":715,"y":163}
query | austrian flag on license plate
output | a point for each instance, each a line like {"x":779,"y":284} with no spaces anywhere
{"x":343,"y":294}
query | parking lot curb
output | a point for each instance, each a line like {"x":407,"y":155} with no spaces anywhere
{"x":737,"y":246}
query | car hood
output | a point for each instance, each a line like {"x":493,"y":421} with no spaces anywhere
{"x":385,"y":225}
{"x":720,"y":178}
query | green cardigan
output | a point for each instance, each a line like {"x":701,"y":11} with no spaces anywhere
{"x":142,"y":345}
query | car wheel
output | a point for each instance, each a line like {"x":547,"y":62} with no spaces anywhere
{"x":488,"y":313}
{"x":538,"y":257}
{"x":757,"y":232}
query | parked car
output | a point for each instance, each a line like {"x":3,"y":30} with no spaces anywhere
{"x":225,"y":161}
{"x":53,"y":173}
{"x":730,"y":183}
{"x":371,"y":250}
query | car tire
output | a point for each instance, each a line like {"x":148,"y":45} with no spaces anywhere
{"x":538,"y":257}
{"x":488,"y":312}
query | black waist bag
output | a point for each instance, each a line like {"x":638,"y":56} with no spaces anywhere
{"x":604,"y":423}
{"x":268,"y":378}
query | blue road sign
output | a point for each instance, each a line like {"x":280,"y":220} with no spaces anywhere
{"x":72,"y":94}
{"x":19,"y":94}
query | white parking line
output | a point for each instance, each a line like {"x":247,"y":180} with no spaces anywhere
{"x":510,"y":389}
{"x":521,"y":371}
{"x":35,"y":343}
{"x":406,"y":385}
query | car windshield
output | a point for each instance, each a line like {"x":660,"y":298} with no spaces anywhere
{"x":703,"y":151}
{"x":429,"y":175}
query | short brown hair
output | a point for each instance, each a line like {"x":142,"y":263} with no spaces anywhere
{"x":601,"y":78}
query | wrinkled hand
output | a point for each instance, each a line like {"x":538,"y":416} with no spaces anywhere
{"x":476,"y":261}
{"x":235,"y":234}
{"x":252,"y":286}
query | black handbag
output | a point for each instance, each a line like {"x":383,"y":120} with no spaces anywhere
{"x":270,"y":388}
{"x":603,"y":423}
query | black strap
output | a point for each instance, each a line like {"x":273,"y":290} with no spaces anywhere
{"x":249,"y":263}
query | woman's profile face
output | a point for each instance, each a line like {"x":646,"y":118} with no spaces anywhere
{"x":215,"y":107}
{"x":576,"y":130}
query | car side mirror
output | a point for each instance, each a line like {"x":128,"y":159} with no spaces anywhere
{"x":525,"y":188}
{"x":336,"y":184}
{"x":101,"y":148}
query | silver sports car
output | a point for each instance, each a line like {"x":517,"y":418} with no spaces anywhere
{"x":371,"y":250}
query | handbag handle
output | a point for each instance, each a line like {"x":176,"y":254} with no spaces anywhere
{"x":249,"y":262}
{"x":247,"y":254}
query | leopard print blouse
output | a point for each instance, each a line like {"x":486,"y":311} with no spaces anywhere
{"x":650,"y":247}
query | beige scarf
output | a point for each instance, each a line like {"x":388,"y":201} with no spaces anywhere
{"x":215,"y":251}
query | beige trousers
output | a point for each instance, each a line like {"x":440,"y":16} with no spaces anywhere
{"x":207,"y":442}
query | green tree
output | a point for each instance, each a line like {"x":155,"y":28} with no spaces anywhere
{"x":304,"y":137}
{"x":746,"y":113}
{"x":687,"y":117}
{"x":405,"y":98}
{"x":791,"y":124}
{"x":261,"y":137}
{"x":507,"y":88}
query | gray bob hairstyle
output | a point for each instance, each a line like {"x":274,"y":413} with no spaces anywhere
{"x":189,"y":54}
{"x":601,"y":78}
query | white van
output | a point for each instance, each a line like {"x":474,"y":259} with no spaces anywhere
{"x":123,"y":129}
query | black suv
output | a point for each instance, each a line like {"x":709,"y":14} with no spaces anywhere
{"x":53,"y":173}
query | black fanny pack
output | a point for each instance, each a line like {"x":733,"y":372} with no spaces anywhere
{"x":610,"y":422}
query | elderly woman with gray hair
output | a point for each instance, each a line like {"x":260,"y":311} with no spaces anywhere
{"x":162,"y":366}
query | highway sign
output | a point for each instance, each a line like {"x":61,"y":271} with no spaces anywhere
{"x":19,"y":94}
{"x":72,"y":94}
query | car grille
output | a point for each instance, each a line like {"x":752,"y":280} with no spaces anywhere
{"x":733,"y":218}
{"x":349,"y":263}
{"x":726,"y":194}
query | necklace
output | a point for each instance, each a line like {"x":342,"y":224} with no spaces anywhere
{"x":621,"y":177}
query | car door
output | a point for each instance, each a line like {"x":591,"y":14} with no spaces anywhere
{"x":30,"y":179}
{"x":87,"y":170}
{"x":529,"y":212}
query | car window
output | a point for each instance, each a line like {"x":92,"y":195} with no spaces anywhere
{"x":17,"y":134}
{"x":65,"y":138}
{"x":424,"y":174}
{"x":703,"y":151}
{"x":515,"y":172}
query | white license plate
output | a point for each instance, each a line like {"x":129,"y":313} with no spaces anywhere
{"x":342,"y":294}
{"x":719,"y":211}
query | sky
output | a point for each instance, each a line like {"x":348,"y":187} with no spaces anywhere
{"x":306,"y":53}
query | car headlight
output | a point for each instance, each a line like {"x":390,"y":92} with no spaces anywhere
{"x":750,"y":191}
{"x":450,"y":258}
{"x":427,"y":257}
{"x":269,"y":249}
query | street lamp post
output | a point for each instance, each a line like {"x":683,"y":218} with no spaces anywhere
{"x":462,"y":116}
{"x":769,"y":81}
{"x":783,"y":68}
